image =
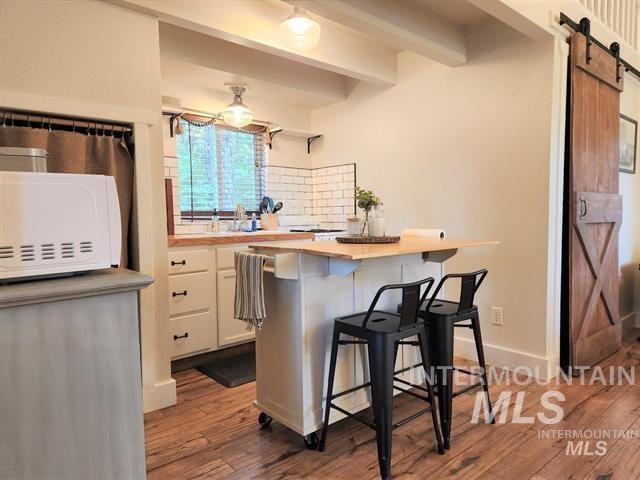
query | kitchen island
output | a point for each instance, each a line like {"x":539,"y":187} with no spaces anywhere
{"x":307,"y":287}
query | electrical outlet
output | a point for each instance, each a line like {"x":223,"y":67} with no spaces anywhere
{"x":497,"y":316}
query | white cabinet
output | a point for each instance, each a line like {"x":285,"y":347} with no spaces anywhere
{"x":192,"y":301}
{"x":202,"y":283}
{"x":230,"y":329}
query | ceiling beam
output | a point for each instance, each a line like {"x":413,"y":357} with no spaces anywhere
{"x":507,"y":13}
{"x":255,"y":24}
{"x":206,"y":51}
{"x":402,"y":24}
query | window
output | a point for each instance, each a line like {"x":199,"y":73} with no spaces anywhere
{"x":219,"y":167}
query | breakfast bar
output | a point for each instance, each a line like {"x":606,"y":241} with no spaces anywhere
{"x":307,"y":286}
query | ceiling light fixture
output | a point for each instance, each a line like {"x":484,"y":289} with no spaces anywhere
{"x":237,"y":113}
{"x":299,"y":32}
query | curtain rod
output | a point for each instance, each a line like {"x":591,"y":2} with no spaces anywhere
{"x":195,"y":111}
{"x":45,"y":120}
{"x":584,"y":27}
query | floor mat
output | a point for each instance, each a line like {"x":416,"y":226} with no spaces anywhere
{"x":233,"y":372}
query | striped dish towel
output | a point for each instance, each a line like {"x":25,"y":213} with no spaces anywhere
{"x":249,"y":298}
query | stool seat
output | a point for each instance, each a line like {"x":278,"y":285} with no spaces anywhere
{"x":379,"y":322}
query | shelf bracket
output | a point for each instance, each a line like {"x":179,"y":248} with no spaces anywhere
{"x":272,"y":135}
{"x":310,"y":140}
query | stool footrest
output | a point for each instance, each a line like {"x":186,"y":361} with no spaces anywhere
{"x":351,"y":390}
{"x":413,"y":385}
{"x":466,"y":389}
{"x":411,"y":417}
{"x":352,"y":342}
{"x":464,"y":325}
{"x":413,"y":394}
{"x":475,"y":374}
{"x":355,"y":417}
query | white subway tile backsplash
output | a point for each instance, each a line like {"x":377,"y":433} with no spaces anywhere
{"x":332,"y":170}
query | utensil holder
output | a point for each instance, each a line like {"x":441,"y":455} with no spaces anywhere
{"x":269,"y":221}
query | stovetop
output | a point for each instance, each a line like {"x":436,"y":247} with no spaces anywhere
{"x":316,"y":230}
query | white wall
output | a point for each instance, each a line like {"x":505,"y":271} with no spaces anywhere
{"x":91,"y":59}
{"x":629,"y":243}
{"x":465,"y":149}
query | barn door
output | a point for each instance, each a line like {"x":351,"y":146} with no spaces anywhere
{"x":593,"y":208}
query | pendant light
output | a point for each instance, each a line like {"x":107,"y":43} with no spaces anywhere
{"x":299,"y":32}
{"x":237,"y":113}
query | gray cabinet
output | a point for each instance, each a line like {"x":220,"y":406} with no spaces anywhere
{"x":71,"y":401}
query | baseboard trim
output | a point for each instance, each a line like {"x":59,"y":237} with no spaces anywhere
{"x":159,"y":396}
{"x":543,"y":368}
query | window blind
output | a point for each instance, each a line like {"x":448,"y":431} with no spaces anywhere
{"x":220,"y":167}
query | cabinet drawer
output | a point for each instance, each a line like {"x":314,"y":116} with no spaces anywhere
{"x":185,"y":261}
{"x":189,"y":292}
{"x":190,"y":333}
{"x":225,"y":255}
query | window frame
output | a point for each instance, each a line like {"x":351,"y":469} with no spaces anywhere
{"x":255,"y":130}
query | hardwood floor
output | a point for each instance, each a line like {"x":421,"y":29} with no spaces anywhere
{"x":213,"y":433}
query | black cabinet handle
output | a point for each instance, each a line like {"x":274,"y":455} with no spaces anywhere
{"x":177,"y":337}
{"x":177,"y":294}
{"x":174,"y":263}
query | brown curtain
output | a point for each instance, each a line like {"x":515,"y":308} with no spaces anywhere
{"x":79,"y":153}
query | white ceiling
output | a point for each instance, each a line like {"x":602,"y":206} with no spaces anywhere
{"x":232,"y":41}
{"x":459,"y":12}
{"x":181,"y":72}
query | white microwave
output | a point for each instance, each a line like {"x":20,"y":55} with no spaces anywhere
{"x":54,"y":224}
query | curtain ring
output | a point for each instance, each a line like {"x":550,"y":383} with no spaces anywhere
{"x":73,"y":126}
{"x":103,"y":134}
{"x":12,"y":124}
{"x":49,"y":123}
{"x":42,"y":123}
{"x":112,"y":128}
{"x":29,"y":120}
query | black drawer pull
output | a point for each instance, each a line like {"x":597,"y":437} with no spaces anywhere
{"x":174,"y":263}
{"x":177,"y":294}
{"x":178,"y":337}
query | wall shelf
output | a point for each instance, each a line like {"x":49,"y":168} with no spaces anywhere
{"x":310,"y":137}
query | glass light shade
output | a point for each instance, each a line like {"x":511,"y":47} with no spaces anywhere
{"x":237,"y":114}
{"x":299,"y":32}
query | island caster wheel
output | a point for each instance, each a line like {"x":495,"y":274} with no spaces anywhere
{"x":264,"y":420}
{"x":312,"y":441}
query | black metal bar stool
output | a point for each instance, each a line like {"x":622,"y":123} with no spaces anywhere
{"x":441,"y":318}
{"x":382,"y":332}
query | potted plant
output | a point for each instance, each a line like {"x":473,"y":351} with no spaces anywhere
{"x":366,"y":201}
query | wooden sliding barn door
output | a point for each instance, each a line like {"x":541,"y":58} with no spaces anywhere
{"x":593,"y":207}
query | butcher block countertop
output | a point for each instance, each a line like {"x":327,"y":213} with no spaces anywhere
{"x":235,"y":237}
{"x":363,"y":251}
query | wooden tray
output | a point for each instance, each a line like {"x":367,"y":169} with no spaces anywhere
{"x":359,"y":239}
